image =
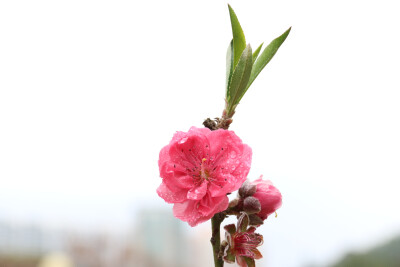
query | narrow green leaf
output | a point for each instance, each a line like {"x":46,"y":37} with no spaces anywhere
{"x":240,"y":77}
{"x":255,"y":54}
{"x":239,"y":41}
{"x":266,"y":56}
{"x":229,"y":67}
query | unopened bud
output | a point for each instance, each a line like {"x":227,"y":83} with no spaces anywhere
{"x":251,"y":205}
{"x":247,"y":189}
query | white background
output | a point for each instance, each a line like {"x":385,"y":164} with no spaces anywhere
{"x":90,"y":91}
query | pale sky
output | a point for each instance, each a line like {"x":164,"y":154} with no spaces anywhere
{"x":90,"y":91}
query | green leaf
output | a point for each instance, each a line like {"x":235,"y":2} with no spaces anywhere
{"x":266,"y":56}
{"x":239,"y":41}
{"x":255,"y":54}
{"x":229,"y":66}
{"x":240,"y":78}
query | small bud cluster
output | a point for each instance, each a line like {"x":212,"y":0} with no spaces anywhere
{"x":255,"y":201}
{"x":258,"y":199}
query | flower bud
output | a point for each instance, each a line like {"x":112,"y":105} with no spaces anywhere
{"x":251,"y":205}
{"x":247,"y":189}
{"x":269,"y":196}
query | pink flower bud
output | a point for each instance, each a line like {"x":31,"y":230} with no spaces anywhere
{"x":269,"y":196}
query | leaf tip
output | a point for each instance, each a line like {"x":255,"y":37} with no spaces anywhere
{"x":230,"y":8}
{"x":286,"y":33}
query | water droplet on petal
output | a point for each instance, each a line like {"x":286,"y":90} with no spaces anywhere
{"x":183,"y":140}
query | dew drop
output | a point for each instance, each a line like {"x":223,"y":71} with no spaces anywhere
{"x":183,"y":140}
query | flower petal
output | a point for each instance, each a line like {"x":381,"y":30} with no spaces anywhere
{"x":189,"y":151}
{"x":187,"y":212}
{"x":198,"y":192}
{"x":210,"y":205}
{"x":169,"y":196}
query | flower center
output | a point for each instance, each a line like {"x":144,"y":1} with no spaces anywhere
{"x":204,"y":174}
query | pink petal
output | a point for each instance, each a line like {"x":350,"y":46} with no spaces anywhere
{"x":164,"y":156}
{"x":200,"y":131}
{"x":229,"y":184}
{"x":169,"y":196}
{"x":208,"y":206}
{"x":231,"y":160}
{"x":189,"y":151}
{"x":187,"y":212}
{"x":198,"y":192}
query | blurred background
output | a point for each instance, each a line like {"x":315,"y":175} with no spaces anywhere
{"x":90,"y":91}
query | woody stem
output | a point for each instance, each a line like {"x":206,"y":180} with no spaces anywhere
{"x":216,"y":238}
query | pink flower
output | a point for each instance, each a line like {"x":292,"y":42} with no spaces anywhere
{"x":241,"y":243}
{"x":199,"y":168}
{"x":269,"y":196}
